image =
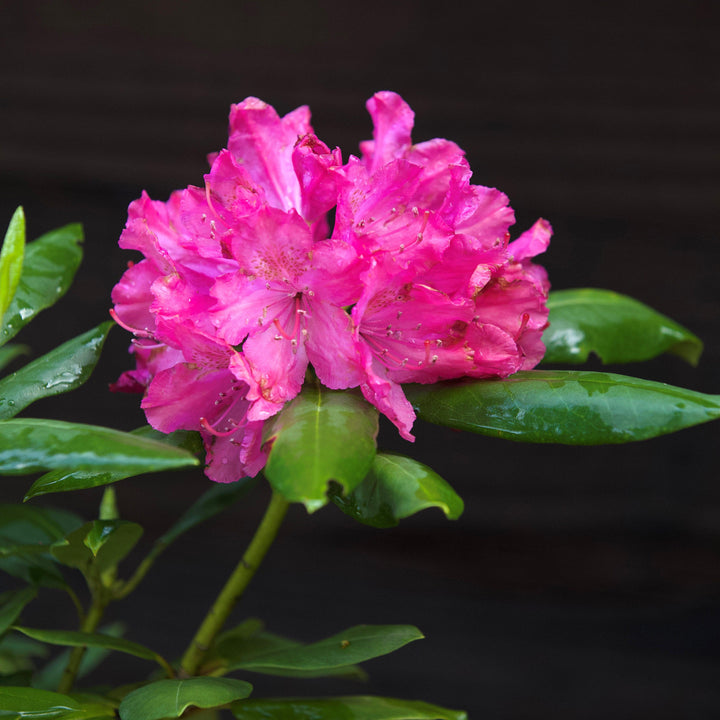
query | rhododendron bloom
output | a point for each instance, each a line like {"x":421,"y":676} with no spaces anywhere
{"x":243,"y":286}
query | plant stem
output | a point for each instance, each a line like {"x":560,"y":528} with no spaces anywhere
{"x":89,"y":625}
{"x":236,"y":584}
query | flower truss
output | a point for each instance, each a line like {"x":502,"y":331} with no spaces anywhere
{"x":243,"y":286}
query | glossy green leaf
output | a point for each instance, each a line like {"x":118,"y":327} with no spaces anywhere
{"x":615,"y":327}
{"x":395,"y":488}
{"x":352,"y":646}
{"x":212,"y":502}
{"x":170,"y":698}
{"x":62,"y":369}
{"x":66,"y":480}
{"x":249,"y":641}
{"x":30,"y":445}
{"x":322,"y":436}
{"x":49,"y":677}
{"x":11,"y":259}
{"x":10,"y":352}
{"x":48,"y":270}
{"x":78,"y":639}
{"x":25,"y":702}
{"x":567,"y":407}
{"x":350,"y":707}
{"x":12,"y":604}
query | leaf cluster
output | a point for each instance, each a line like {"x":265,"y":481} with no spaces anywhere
{"x":322,"y":449}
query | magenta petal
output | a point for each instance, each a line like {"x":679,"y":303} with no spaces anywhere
{"x":330,"y":346}
{"x":231,"y":458}
{"x":263,"y":144}
{"x":230,"y":192}
{"x":132,"y":296}
{"x":532,"y":242}
{"x":387,"y":396}
{"x":393,"y":120}
{"x":181,"y":396}
{"x":317,"y":169}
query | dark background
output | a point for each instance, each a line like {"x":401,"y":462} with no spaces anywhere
{"x":580,"y":582}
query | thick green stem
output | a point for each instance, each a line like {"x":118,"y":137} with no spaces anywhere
{"x":236,"y":584}
{"x":89,"y":625}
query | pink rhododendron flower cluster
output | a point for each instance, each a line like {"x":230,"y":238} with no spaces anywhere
{"x":243,"y":285}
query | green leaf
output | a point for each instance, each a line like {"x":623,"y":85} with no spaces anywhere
{"x":12,"y":604}
{"x":48,"y":270}
{"x":350,"y":707}
{"x":10,"y":352}
{"x":567,"y":407}
{"x":26,"y":534}
{"x":50,"y":675}
{"x":395,"y":488}
{"x":65,"y":480}
{"x":100,"y":544}
{"x":81,"y":639}
{"x":615,"y":327}
{"x":212,"y":502}
{"x":11,"y":260}
{"x":352,"y":646}
{"x":170,"y":698}
{"x":62,"y":369}
{"x":249,"y":641}
{"x":321,"y":436}
{"x":30,"y":445}
{"x":25,"y":702}
{"x":111,"y":540}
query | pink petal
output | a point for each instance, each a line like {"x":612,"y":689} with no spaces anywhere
{"x":263,"y":144}
{"x":393,"y":120}
{"x":532,"y":242}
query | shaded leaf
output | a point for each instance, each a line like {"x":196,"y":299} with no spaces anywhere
{"x":48,"y":270}
{"x":62,"y":369}
{"x":11,"y":259}
{"x":322,"y":436}
{"x":249,"y":641}
{"x":567,"y":407}
{"x":25,"y":702}
{"x":19,"y":678}
{"x":10,"y":352}
{"x":351,"y":707}
{"x":26,"y":534}
{"x":111,"y":540}
{"x":12,"y":604}
{"x":50,"y":675}
{"x":615,"y":327}
{"x":212,"y":502}
{"x":65,"y":480}
{"x":352,"y":646}
{"x":395,"y":488}
{"x":71,"y":550}
{"x":170,"y":698}
{"x":81,"y":639}
{"x":30,"y":445}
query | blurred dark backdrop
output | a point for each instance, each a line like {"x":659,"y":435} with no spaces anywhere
{"x":580,"y":583}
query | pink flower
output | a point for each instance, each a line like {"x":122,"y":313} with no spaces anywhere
{"x":243,"y":287}
{"x":446,"y":295}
